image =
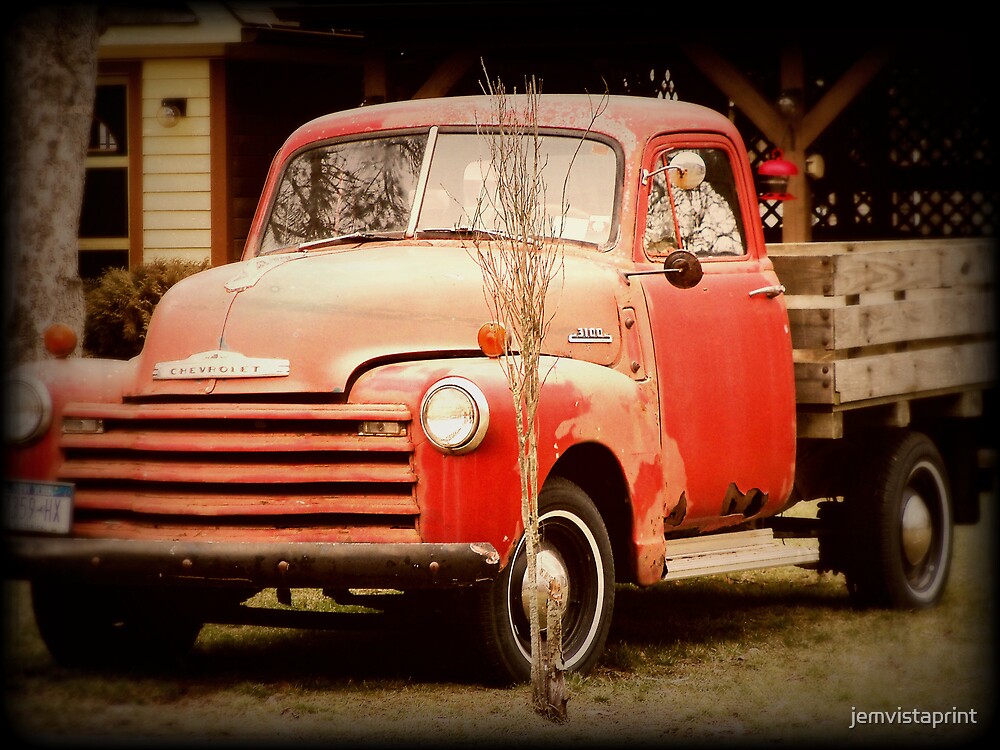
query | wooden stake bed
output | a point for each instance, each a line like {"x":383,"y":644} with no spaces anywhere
{"x":883,"y":323}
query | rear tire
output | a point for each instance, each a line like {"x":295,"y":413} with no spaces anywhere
{"x":111,"y":626}
{"x":900,"y":525}
{"x":574,"y":534}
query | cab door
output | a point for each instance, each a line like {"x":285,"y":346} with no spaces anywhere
{"x":722,"y":349}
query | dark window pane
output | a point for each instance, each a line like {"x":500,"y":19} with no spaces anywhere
{"x":105,"y":203}
{"x":108,"y":130}
{"x":93,"y":263}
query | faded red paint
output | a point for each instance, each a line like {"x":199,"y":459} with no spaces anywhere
{"x":693,"y":393}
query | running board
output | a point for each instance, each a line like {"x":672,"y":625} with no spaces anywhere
{"x":729,"y":552}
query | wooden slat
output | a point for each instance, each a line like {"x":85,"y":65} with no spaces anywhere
{"x":903,"y":374}
{"x":887,"y":320}
{"x":826,"y":425}
{"x":905,"y":320}
{"x":835,"y":269}
{"x":913,"y":372}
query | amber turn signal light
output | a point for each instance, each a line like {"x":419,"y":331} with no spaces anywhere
{"x":492,"y":339}
{"x":59,"y":340}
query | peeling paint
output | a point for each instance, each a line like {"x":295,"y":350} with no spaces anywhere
{"x":678,"y":512}
{"x":747,"y":503}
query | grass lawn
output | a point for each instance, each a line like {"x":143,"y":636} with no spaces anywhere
{"x":775,"y":657}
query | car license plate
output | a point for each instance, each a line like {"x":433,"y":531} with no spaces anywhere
{"x":38,"y":506}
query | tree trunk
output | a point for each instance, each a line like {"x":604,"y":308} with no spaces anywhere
{"x":51,"y":70}
{"x":555,"y":692}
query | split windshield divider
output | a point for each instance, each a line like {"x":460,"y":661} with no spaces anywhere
{"x":418,"y":198}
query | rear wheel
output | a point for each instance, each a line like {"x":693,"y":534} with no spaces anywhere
{"x":900,"y":525}
{"x":99,"y":626}
{"x":574,"y":549}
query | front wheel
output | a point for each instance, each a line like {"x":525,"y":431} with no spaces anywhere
{"x":901,"y":525}
{"x":93,"y":626}
{"x":575,"y":549}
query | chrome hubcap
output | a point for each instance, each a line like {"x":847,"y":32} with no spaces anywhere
{"x":551,"y":566}
{"x":918,"y":528}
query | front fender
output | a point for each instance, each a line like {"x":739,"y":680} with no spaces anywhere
{"x":585,"y":404}
{"x":477,"y":496}
{"x":70,"y":380}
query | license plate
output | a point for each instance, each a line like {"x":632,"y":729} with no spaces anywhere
{"x":38,"y":506}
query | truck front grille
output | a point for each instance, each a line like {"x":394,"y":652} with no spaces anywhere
{"x":241,"y":471}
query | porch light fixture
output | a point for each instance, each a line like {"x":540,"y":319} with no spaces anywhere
{"x":171,"y":111}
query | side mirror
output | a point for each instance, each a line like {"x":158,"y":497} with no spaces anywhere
{"x":686,"y":170}
{"x":683,"y":269}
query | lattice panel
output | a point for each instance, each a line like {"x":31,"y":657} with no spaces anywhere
{"x":758,"y":151}
{"x":945,"y":130}
{"x":911,"y":157}
{"x":934,"y":213}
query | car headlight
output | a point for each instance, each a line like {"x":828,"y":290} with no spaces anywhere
{"x":28,"y":410}
{"x":455,"y":415}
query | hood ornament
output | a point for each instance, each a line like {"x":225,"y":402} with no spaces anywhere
{"x":251,"y":271}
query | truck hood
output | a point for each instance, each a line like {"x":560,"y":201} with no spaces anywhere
{"x":306,"y":322}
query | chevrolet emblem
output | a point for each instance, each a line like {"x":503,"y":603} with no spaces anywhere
{"x":220,"y":364}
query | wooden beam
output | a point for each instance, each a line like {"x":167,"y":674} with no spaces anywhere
{"x":740,"y":90}
{"x":375,"y":88}
{"x":841,"y":94}
{"x":446,"y":75}
{"x":796,"y":215}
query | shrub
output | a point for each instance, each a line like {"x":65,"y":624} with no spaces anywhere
{"x":121,"y":302}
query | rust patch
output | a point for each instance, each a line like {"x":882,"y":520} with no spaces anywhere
{"x":747,"y":504}
{"x":678,"y":512}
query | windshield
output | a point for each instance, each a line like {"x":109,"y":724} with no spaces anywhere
{"x":375,"y":186}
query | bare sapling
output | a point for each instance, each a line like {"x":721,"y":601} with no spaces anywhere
{"x":520,"y":253}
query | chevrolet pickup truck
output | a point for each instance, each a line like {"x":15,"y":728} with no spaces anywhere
{"x":325,"y":415}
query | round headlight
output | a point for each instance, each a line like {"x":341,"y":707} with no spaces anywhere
{"x":455,"y":415}
{"x":28,"y":410}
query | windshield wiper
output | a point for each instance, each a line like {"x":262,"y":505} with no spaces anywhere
{"x":365,"y":236}
{"x":359,"y":237}
{"x":465,"y":232}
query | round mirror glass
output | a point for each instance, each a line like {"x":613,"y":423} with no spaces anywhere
{"x":687,"y":170}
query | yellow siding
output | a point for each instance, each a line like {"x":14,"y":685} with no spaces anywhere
{"x":185,"y":255}
{"x":175,"y":239}
{"x":176,"y":175}
{"x":171,"y":146}
{"x":180,"y":201}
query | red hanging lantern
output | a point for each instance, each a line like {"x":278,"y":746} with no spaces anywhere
{"x":773,"y":177}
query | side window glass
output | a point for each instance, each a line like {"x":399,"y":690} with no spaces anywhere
{"x":706,"y":218}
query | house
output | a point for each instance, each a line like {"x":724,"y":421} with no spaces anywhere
{"x":193,"y":100}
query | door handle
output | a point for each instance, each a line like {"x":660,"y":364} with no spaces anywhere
{"x":769,"y":291}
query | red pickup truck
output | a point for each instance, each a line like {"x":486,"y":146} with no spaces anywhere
{"x":321,"y":415}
